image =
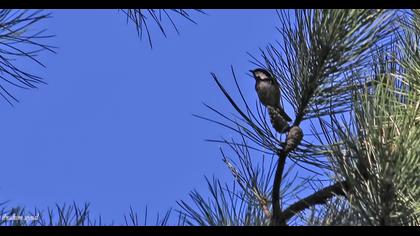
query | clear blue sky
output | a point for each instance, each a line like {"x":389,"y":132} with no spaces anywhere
{"x":100,"y":133}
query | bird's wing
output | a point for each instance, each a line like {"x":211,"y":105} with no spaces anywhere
{"x":280,"y":109}
{"x":274,"y":81}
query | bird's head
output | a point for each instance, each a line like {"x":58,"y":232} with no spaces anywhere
{"x":261,"y":74}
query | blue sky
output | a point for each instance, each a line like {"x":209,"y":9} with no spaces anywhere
{"x":99,"y":132}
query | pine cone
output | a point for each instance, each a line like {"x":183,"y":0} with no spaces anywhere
{"x":294,"y":138}
{"x":277,"y":121}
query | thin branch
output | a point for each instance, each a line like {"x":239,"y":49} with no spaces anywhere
{"x":319,"y":197}
{"x":142,"y":18}
{"x":18,"y":41}
{"x":277,"y":218}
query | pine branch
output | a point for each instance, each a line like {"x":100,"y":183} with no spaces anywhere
{"x":320,"y":197}
{"x":141,"y":18}
{"x":277,"y":218}
{"x":294,"y":137}
{"x":18,"y":41}
{"x":322,"y":54}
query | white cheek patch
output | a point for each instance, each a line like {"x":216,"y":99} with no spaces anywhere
{"x":261,"y":75}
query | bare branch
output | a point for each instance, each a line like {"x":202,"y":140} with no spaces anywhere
{"x":319,"y":197}
{"x":276,"y":217}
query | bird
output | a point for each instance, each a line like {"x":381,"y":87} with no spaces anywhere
{"x":268,"y":90}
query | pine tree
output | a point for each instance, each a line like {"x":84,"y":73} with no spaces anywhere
{"x":352,"y":79}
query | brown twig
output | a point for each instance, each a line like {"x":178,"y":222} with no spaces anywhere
{"x":294,"y":137}
{"x":319,"y":197}
{"x":276,"y":218}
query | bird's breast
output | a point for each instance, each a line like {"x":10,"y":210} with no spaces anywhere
{"x":269,"y":94}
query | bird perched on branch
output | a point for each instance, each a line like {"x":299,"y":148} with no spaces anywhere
{"x":268,"y":90}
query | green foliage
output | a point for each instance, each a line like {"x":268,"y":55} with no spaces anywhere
{"x":71,"y":215}
{"x":227,"y":206}
{"x":18,"y":42}
{"x":141,"y":18}
{"x":356,"y":75}
{"x":352,"y":78}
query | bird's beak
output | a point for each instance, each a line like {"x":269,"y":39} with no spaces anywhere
{"x":252,"y":73}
